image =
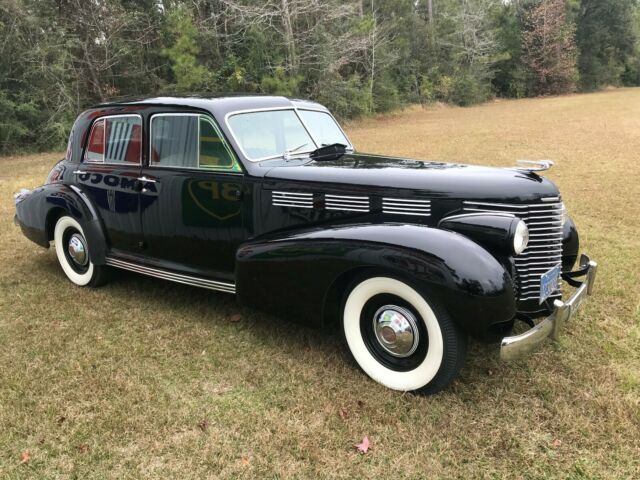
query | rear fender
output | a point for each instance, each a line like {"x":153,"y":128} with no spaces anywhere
{"x":302,"y":275}
{"x":38,"y":212}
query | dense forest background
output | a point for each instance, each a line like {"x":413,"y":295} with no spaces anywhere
{"x":358,"y":57}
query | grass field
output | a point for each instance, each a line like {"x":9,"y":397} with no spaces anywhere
{"x":150,"y":379}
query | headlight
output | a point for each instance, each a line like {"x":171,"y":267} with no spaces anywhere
{"x":497,"y":232}
{"x":520,"y":238}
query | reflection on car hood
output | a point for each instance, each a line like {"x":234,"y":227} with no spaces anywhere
{"x":436,"y":179}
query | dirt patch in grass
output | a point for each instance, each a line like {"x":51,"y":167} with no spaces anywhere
{"x":149,"y":379}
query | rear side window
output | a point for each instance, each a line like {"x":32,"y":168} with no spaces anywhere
{"x":95,"y":147}
{"x":189,"y":141}
{"x":115,"y":139}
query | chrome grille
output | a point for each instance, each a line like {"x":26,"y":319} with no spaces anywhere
{"x":544,"y":250}
{"x":292,"y":199}
{"x":349,"y":203}
{"x":405,"y":206}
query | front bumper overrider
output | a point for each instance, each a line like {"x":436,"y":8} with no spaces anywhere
{"x":517,"y":346}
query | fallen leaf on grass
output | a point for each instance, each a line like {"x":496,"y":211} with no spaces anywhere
{"x":556,"y":443}
{"x":245,"y":461}
{"x":364,"y":446}
{"x":235,"y":318}
{"x":84,"y":448}
{"x":203,"y":425}
{"x":61,"y":419}
{"x":344,"y":413}
{"x":26,"y":456}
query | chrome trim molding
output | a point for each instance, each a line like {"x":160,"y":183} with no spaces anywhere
{"x":517,"y":346}
{"x":174,"y":277}
{"x":349,"y":203}
{"x":292,"y":199}
{"x":544,"y":249}
{"x":405,"y":206}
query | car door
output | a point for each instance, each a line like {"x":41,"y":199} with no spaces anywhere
{"x":108,"y":175}
{"x":191,"y":207}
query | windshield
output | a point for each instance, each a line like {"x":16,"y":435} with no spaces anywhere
{"x":268,"y":134}
{"x":323,"y":127}
{"x":276,"y":133}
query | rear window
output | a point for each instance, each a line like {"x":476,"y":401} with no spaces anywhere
{"x":115,"y":139}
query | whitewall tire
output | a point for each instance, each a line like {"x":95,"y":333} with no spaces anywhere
{"x":400,"y":339}
{"x":72,"y":251}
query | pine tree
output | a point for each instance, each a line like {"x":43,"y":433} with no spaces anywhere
{"x":607,"y":41}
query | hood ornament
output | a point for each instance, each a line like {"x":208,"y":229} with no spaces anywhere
{"x":534,"y":165}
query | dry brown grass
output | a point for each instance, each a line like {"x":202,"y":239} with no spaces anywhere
{"x":112,"y":383}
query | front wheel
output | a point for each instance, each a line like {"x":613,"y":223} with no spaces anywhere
{"x":399,"y":338}
{"x":73,"y":254}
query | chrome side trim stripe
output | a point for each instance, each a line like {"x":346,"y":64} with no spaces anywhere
{"x":174,"y":277}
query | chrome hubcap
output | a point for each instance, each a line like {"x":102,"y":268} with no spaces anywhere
{"x":78,"y":250}
{"x":396,"y":330}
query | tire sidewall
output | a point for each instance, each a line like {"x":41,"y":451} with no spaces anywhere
{"x":62,"y":225}
{"x":410,"y":380}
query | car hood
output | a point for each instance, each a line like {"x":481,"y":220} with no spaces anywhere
{"x":436,"y":179}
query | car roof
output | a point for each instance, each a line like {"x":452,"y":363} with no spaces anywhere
{"x":218,"y":104}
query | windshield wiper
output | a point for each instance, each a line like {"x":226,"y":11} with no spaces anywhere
{"x":287,"y":153}
{"x":329,"y":152}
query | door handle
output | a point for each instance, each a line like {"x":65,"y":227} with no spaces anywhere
{"x":146,"y":179}
{"x":142,"y":181}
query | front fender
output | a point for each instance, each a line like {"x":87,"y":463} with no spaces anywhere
{"x":37,"y":212}
{"x":293,"y":274}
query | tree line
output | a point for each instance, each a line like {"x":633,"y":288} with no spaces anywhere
{"x":357,"y":57}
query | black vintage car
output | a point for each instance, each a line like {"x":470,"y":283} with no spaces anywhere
{"x":264,"y":197}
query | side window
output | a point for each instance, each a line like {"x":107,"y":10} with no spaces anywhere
{"x":124,"y":136}
{"x":115,"y":140}
{"x":174,"y":141}
{"x":214,"y":152}
{"x":189,"y":141}
{"x":95,"y":146}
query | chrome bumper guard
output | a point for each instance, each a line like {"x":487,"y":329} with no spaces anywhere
{"x":519,"y":345}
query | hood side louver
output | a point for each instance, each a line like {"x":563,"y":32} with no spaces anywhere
{"x":349,"y":203}
{"x":405,"y":206}
{"x":292,"y":199}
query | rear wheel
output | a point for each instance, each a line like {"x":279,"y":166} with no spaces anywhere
{"x":401,"y":339}
{"x":73,"y":254}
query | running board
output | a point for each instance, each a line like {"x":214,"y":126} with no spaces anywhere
{"x":174,"y":277}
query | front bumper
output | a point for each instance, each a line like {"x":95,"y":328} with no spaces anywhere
{"x":520,"y":345}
